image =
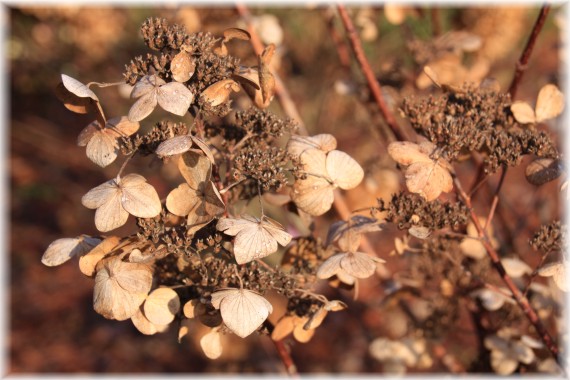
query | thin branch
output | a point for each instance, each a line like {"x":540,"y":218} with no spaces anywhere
{"x":342,"y":51}
{"x":525,"y":56}
{"x":286,"y":359}
{"x":496,"y":198}
{"x":280,"y":91}
{"x":369,"y":74}
{"x":435,"y":21}
{"x":521,"y":300}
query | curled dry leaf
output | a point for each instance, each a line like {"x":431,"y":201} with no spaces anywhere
{"x":211,"y":344}
{"x":347,"y":233}
{"x":543,"y":170}
{"x":182,"y":67}
{"x":161,"y":306}
{"x":255,"y":238}
{"x":558,"y":273}
{"x":236,"y":33}
{"x":266,"y":79}
{"x":298,"y":144}
{"x":173,"y":97}
{"x":424,"y":175}
{"x":62,"y":250}
{"x":198,"y":198}
{"x":325,"y":172}
{"x":354,"y":264}
{"x":119,"y":197}
{"x":145,"y":326}
{"x":73,"y":102}
{"x":242,"y":310}
{"x":248,"y":77}
{"x":120,"y":288}
{"x":219,"y":92}
{"x":549,"y":104}
{"x":89,"y":261}
{"x":77,"y":88}
{"x":102,"y":145}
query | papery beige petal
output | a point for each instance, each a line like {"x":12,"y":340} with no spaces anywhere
{"x":195,"y":168}
{"x":101,"y":194}
{"x":314,"y":162}
{"x":502,"y":363}
{"x":111,"y":215}
{"x":190,"y":308}
{"x":549,"y":104}
{"x":473,"y":248}
{"x":120,"y":288}
{"x":407,"y":153}
{"x":77,"y":88}
{"x":62,"y":250}
{"x":359,"y":265}
{"x":174,"y":145}
{"x":276,"y":231}
{"x":102,"y":148}
{"x":298,"y":144}
{"x":314,"y":195}
{"x":161,"y":306}
{"x":316,"y":319}
{"x":89,"y":261}
{"x":211,"y":344}
{"x":145,"y":326}
{"x":243,"y":311}
{"x":74,"y":103}
{"x":301,"y":334}
{"x":143,"y":107}
{"x":146,"y":85}
{"x":523,"y":113}
{"x":238,"y":33}
{"x":122,"y":126}
{"x":175,"y":98}
{"x":344,"y":171}
{"x":182,"y":67}
{"x":330,"y":266}
{"x":558,"y":273}
{"x":204,"y":148}
{"x":515,"y":267}
{"x":87,"y":133}
{"x":182,"y":200}
{"x":219,"y":92}
{"x":284,"y":327}
{"x":140,"y":199}
{"x":427,"y":179}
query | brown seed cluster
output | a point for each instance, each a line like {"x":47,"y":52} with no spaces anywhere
{"x":550,"y":237}
{"x":476,"y":120}
{"x":406,"y":210}
{"x":146,"y":144}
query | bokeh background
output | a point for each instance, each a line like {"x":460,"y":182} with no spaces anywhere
{"x":52,"y":325}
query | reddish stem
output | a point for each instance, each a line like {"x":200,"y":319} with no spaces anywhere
{"x":373,"y":84}
{"x":525,"y":56}
{"x":286,"y":359}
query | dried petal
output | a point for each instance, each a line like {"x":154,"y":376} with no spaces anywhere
{"x":175,"y":98}
{"x":89,"y":261}
{"x":238,"y":33}
{"x":343,"y":170}
{"x":549,"y":104}
{"x":143,"y":107}
{"x":62,"y":250}
{"x":523,"y":113}
{"x":139,"y":198}
{"x":174,"y":145}
{"x":182,"y":67}
{"x":144,"y":325}
{"x":558,"y":273}
{"x":219,"y":92}
{"x":77,"y":88}
{"x":161,"y":306}
{"x":211,"y":344}
{"x":298,"y":144}
{"x":543,"y":170}
{"x":242,"y":310}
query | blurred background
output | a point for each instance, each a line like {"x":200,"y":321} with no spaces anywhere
{"x":52,"y":325}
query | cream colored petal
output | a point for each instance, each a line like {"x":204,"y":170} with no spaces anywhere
{"x":330,"y":267}
{"x":143,"y":107}
{"x":301,"y":334}
{"x":89,"y":261}
{"x":233,"y":226}
{"x":140,"y":199}
{"x":146,"y":85}
{"x":121,"y":126}
{"x":359,"y":265}
{"x":175,"y":98}
{"x":204,"y":147}
{"x":298,"y":144}
{"x":284,"y":327}
{"x":87,"y":133}
{"x":219,"y":92}
{"x":161,"y":306}
{"x":102,"y":149}
{"x":253,"y":242}
{"x":243,"y":311}
{"x":77,"y":88}
{"x":407,"y":153}
{"x":314,"y":162}
{"x":515,"y":267}
{"x":182,"y":200}
{"x":195,"y":168}
{"x":101,"y":194}
{"x":314,"y":195}
{"x":276,"y":231}
{"x":426,"y":179}
{"x":182,"y":67}
{"x":558,"y":273}
{"x":174,"y":145}
{"x":503,"y":364}
{"x":111,"y":215}
{"x":144,"y":325}
{"x":343,"y":170}
{"x":120,"y":288}
{"x":523,"y":113}
{"x":550,"y":103}
{"x":211,"y":344}
{"x":62,"y":250}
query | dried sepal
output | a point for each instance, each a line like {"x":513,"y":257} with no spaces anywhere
{"x":255,"y":238}
{"x":120,"y":288}
{"x":182,"y":67}
{"x":77,"y":88}
{"x":146,"y":327}
{"x":347,"y":233}
{"x":119,"y":197}
{"x":248,"y":77}
{"x":73,"y":102}
{"x":236,"y":33}
{"x":515,"y":267}
{"x":211,"y":344}
{"x":161,"y":306}
{"x":266,"y":78}
{"x":89,"y":261}
{"x":242,"y":310}
{"x":543,"y":170}
{"x":173,"y":97}
{"x":189,"y":308}
{"x":62,"y":250}
{"x":425,"y":176}
{"x":298,"y":144}
{"x":219,"y":92}
{"x":354,"y":264}
{"x":549,"y":104}
{"x":492,"y":300}
{"x":558,"y":273}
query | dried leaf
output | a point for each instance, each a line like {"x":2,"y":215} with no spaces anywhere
{"x":242,"y":310}
{"x":120,"y":288}
{"x":62,"y":250}
{"x":211,"y":344}
{"x":219,"y":92}
{"x":543,"y":170}
{"x":77,"y":88}
{"x":73,"y":102}
{"x":255,"y":238}
{"x":182,"y":67}
{"x":237,"y":33}
{"x":549,"y":104}
{"x":161,"y":306}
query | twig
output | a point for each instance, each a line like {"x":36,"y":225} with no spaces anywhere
{"x":341,"y":49}
{"x":521,"y":300}
{"x":496,"y":198}
{"x":280,"y":91}
{"x":369,"y":74}
{"x":435,"y":21}
{"x":286,"y":359}
{"x":523,"y":61}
